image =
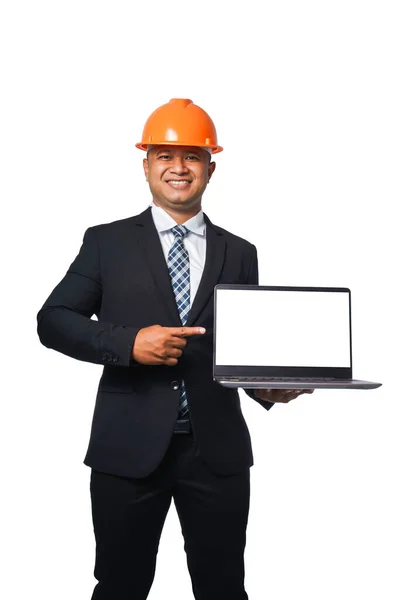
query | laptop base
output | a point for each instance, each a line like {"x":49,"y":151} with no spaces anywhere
{"x":297,"y":384}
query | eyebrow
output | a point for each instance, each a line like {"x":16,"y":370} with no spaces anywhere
{"x":168,"y":151}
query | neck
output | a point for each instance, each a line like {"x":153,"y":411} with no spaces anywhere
{"x":179,"y":216}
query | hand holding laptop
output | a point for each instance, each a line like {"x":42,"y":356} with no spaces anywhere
{"x":277,"y":395}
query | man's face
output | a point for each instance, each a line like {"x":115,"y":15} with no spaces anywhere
{"x":178,"y":175}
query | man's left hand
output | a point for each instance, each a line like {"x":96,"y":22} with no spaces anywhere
{"x":278,"y":395}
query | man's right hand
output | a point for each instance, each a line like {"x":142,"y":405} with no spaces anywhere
{"x":157,"y":345}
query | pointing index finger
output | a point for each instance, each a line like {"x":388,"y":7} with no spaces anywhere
{"x":186,"y":331}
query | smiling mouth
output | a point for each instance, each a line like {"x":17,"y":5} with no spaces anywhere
{"x":178,"y":184}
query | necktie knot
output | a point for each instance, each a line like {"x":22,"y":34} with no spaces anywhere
{"x":180,"y":231}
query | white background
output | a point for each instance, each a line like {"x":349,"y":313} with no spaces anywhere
{"x":305,"y":97}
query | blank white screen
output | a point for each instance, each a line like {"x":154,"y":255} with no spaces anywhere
{"x":282,"y":328}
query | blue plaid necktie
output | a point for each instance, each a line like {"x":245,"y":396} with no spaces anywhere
{"x":179,"y":270}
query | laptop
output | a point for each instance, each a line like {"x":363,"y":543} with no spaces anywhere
{"x":283,"y":337}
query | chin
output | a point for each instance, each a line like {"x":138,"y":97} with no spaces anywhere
{"x":179,"y":200}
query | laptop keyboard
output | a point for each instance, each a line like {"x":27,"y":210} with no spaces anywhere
{"x":279,"y":379}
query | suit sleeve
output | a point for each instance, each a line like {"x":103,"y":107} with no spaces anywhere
{"x":252,"y":279}
{"x":64,"y":322}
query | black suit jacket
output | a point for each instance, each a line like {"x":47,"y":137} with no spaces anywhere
{"x":121,"y":276}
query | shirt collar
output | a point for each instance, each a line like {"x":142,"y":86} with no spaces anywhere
{"x":163,"y":221}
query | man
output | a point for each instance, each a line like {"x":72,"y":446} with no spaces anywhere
{"x":162,"y":427}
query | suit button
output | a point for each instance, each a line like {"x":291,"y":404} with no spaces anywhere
{"x":175,"y":385}
{"x":115,"y":358}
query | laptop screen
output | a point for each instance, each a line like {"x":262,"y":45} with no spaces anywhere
{"x":283,"y":327}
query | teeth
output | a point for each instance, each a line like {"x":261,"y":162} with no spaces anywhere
{"x":178,"y":183}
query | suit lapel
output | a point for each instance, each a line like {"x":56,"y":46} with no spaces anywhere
{"x":149,"y":241}
{"x":215,"y":256}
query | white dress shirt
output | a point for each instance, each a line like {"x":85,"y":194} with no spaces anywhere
{"x":194,"y":242}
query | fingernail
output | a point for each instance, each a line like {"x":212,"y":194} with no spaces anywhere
{"x":202,"y":330}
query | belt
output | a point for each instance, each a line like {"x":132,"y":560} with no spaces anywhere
{"x":182,"y":427}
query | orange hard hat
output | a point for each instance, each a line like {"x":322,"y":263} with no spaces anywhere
{"x":180,"y":123}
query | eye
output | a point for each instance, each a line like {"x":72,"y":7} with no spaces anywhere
{"x":192,"y":157}
{"x":164,"y":156}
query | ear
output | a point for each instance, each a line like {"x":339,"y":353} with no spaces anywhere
{"x":146,"y":168}
{"x":211,"y":169}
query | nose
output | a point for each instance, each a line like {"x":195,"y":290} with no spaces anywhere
{"x":178,"y":167}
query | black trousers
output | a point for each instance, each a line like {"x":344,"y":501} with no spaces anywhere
{"x":129,"y":514}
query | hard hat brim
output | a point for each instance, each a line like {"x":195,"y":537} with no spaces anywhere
{"x":214,"y":149}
